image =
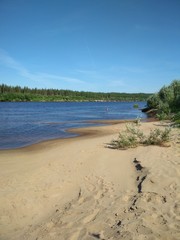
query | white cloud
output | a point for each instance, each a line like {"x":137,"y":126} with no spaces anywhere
{"x":57,"y":77}
{"x":11,"y":63}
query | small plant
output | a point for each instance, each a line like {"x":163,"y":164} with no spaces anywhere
{"x":133,"y":129}
{"x":137,"y":121}
{"x":133,"y":136}
{"x":165,"y":135}
{"x":129,"y":138}
{"x":158,"y":137}
{"x":135,"y":105}
{"x":153,"y":138}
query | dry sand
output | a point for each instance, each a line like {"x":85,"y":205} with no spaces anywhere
{"x":80,"y":189}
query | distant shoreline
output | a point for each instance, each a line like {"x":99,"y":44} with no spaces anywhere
{"x":25,"y":94}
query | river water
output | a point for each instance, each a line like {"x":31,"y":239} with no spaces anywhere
{"x":26,"y":123}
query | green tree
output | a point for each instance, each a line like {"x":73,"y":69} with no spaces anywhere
{"x":166,"y":101}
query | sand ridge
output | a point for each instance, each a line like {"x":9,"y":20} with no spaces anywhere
{"x":80,"y":189}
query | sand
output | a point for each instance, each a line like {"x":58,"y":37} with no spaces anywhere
{"x":79,"y":188}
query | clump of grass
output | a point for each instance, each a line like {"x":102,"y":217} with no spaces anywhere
{"x":158,"y":137}
{"x":126,"y":141}
{"x":132,"y":137}
{"x":129,"y":138}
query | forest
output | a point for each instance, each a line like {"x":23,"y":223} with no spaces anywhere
{"x":25,"y":94}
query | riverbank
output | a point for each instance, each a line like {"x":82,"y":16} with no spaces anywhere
{"x":78,"y":188}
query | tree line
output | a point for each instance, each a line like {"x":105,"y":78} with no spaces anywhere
{"x":17,"y":93}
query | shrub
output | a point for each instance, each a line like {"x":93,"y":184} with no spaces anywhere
{"x":166,"y":101}
{"x":153,"y":101}
{"x":133,"y":136}
{"x":166,"y":94}
{"x":176,"y":116}
{"x":125,"y":141}
{"x":158,"y":137}
{"x":133,"y":129}
{"x":165,"y":135}
{"x":176,"y":119}
{"x":129,"y":138}
{"x":162,"y":116}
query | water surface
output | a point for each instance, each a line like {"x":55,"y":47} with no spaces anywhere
{"x":23,"y":124}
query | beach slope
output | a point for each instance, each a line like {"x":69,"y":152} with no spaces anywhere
{"x":79,"y":188}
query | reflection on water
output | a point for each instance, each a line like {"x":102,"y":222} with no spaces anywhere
{"x":23,"y":124}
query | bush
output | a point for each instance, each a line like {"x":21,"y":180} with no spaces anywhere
{"x":162,"y":116}
{"x":153,"y":101}
{"x":125,"y":141}
{"x":133,"y":136}
{"x":176,"y":119}
{"x":158,"y":137}
{"x":129,"y":138}
{"x":166,"y":101}
{"x":176,"y":116}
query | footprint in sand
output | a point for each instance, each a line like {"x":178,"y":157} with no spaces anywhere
{"x":91,"y":217}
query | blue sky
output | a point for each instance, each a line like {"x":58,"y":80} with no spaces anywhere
{"x":90,"y":45}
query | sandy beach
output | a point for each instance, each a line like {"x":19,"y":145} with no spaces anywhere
{"x":78,"y":188}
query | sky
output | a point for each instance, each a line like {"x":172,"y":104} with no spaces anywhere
{"x":90,"y":45}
